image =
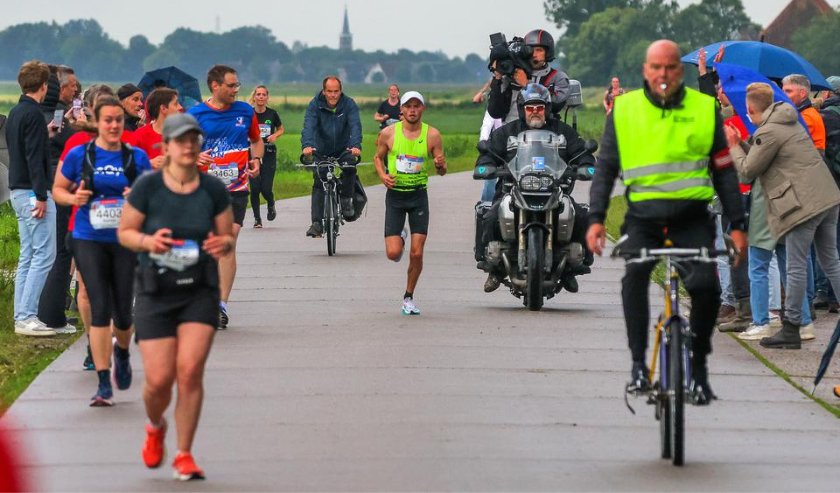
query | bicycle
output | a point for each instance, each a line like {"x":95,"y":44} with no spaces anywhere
{"x":672,"y":346}
{"x":332,"y":219}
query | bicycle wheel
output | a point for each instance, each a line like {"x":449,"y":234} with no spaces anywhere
{"x":663,"y":407}
{"x":329,"y":210}
{"x":676,"y":377}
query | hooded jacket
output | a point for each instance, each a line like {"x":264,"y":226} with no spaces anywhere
{"x":330,"y":131}
{"x":502,"y":101}
{"x":794,"y":179}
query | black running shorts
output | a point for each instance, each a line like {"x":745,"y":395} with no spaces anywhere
{"x":398,"y":205}
{"x":239,"y":201}
{"x":157,"y":316}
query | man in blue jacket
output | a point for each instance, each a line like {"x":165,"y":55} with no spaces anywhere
{"x":331,"y":127}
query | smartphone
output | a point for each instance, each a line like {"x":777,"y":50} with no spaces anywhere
{"x":58,"y":118}
{"x":77,"y":108}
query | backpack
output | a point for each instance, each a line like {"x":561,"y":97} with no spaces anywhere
{"x":88,"y":167}
{"x":832,"y":139}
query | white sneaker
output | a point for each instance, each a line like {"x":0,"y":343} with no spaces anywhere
{"x":756,"y":332}
{"x":806,"y":332}
{"x":409,"y":308}
{"x":67,"y":329}
{"x":775,"y":321}
{"x":404,"y":236}
{"x":33,"y":327}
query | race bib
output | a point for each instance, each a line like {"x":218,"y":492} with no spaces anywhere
{"x":105,"y":213}
{"x":228,"y":173}
{"x":409,"y":164}
{"x":265,"y":130}
{"x":538,"y":162}
{"x":183,"y":254}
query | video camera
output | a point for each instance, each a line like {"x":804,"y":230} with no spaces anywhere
{"x":509,"y":56}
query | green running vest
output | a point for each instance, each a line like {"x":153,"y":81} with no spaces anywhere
{"x":407,"y":160}
{"x":665,"y":153}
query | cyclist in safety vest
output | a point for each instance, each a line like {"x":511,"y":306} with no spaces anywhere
{"x":668,"y":143}
{"x":403,"y":155}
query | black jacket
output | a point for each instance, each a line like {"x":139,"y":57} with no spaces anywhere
{"x":608,"y":168}
{"x":575,"y":145}
{"x":27,"y":136}
{"x":501,"y":103}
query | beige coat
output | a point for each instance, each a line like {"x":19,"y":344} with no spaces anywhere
{"x":794,"y":178}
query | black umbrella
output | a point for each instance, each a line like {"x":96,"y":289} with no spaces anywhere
{"x":189,"y":92}
{"x":826,"y":358}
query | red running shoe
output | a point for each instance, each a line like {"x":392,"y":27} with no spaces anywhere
{"x":185,"y":468}
{"x":154,"y":450}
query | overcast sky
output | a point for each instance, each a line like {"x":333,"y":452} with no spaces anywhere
{"x":456,"y":27}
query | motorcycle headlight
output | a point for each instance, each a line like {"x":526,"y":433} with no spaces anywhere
{"x":546,"y":182}
{"x":530,"y":183}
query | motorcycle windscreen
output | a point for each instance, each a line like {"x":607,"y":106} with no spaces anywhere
{"x":538,"y":153}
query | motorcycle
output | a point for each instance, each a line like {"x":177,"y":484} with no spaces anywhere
{"x":532,"y":246}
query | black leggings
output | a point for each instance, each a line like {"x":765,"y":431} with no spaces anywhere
{"x":264,"y":183}
{"x":108,"y":272}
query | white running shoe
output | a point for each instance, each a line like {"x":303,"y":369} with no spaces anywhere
{"x":67,"y":329}
{"x":806,"y":332}
{"x":775,"y":321}
{"x":404,"y":236}
{"x":33,"y":327}
{"x":409,"y":308}
{"x":756,"y":332}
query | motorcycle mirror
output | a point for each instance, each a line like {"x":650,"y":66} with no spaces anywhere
{"x":591,"y":146}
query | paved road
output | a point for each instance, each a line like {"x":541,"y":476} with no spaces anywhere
{"x":320,"y":384}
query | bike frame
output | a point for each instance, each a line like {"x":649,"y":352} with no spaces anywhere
{"x":671,"y":318}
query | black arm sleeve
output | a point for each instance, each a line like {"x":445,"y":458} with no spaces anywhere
{"x":498,"y":102}
{"x":576,"y":146}
{"x":725,"y":180}
{"x":707,"y":83}
{"x":607,"y":169}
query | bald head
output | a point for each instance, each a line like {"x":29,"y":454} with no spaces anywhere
{"x":663,"y":70}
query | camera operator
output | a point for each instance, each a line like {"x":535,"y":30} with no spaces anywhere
{"x":531,"y":57}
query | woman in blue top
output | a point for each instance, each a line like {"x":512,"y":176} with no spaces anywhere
{"x":96,"y":177}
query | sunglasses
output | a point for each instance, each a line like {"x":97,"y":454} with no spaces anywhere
{"x":535,"y":108}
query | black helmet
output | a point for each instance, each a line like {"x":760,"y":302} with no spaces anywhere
{"x":538,"y":37}
{"x":534,"y":94}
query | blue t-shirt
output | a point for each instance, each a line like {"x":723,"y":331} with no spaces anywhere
{"x":109,"y":181}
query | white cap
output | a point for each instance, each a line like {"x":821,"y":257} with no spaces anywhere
{"x":412,"y":95}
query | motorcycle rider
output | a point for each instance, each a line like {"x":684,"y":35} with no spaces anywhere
{"x":502,"y":102}
{"x":534,"y":107}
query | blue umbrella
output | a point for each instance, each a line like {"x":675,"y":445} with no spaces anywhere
{"x":766,"y":59}
{"x":189,"y":92}
{"x":734,"y":81}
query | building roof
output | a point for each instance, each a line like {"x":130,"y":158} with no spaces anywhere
{"x":798,"y":14}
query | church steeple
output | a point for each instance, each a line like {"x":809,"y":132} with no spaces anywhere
{"x":345,"y":42}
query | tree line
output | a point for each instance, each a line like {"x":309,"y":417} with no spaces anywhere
{"x":252,"y":50}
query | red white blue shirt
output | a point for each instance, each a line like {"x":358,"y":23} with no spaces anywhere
{"x":228,"y":135}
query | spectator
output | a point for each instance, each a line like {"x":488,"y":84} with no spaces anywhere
{"x":802,"y":200}
{"x":481,"y":95}
{"x":131,"y":98}
{"x":160,"y":104}
{"x":613,"y":92}
{"x":389,"y":110}
{"x":797,"y":88}
{"x":54,"y":295}
{"x":830,"y":113}
{"x":29,"y":180}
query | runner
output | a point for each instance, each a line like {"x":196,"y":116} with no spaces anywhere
{"x":161,"y":103}
{"x":271,"y":128}
{"x":100,"y":173}
{"x":231,"y":130}
{"x":177,"y":285}
{"x":406,"y":146}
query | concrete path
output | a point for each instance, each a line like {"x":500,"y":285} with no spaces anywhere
{"x":321,"y":384}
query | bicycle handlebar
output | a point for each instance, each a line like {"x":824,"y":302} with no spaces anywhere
{"x":322,"y":164}
{"x":692,"y":254}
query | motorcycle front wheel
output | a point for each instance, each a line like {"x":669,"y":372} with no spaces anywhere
{"x":535,"y":270}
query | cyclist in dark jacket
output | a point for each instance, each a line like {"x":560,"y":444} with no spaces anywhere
{"x":331,"y":127}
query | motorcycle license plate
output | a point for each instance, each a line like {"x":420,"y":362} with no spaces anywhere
{"x":409,"y":164}
{"x":183,"y":254}
{"x":228,"y":173}
{"x":106,"y":213}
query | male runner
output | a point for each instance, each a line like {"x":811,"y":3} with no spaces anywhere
{"x":231,"y":132}
{"x":405,"y":149}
